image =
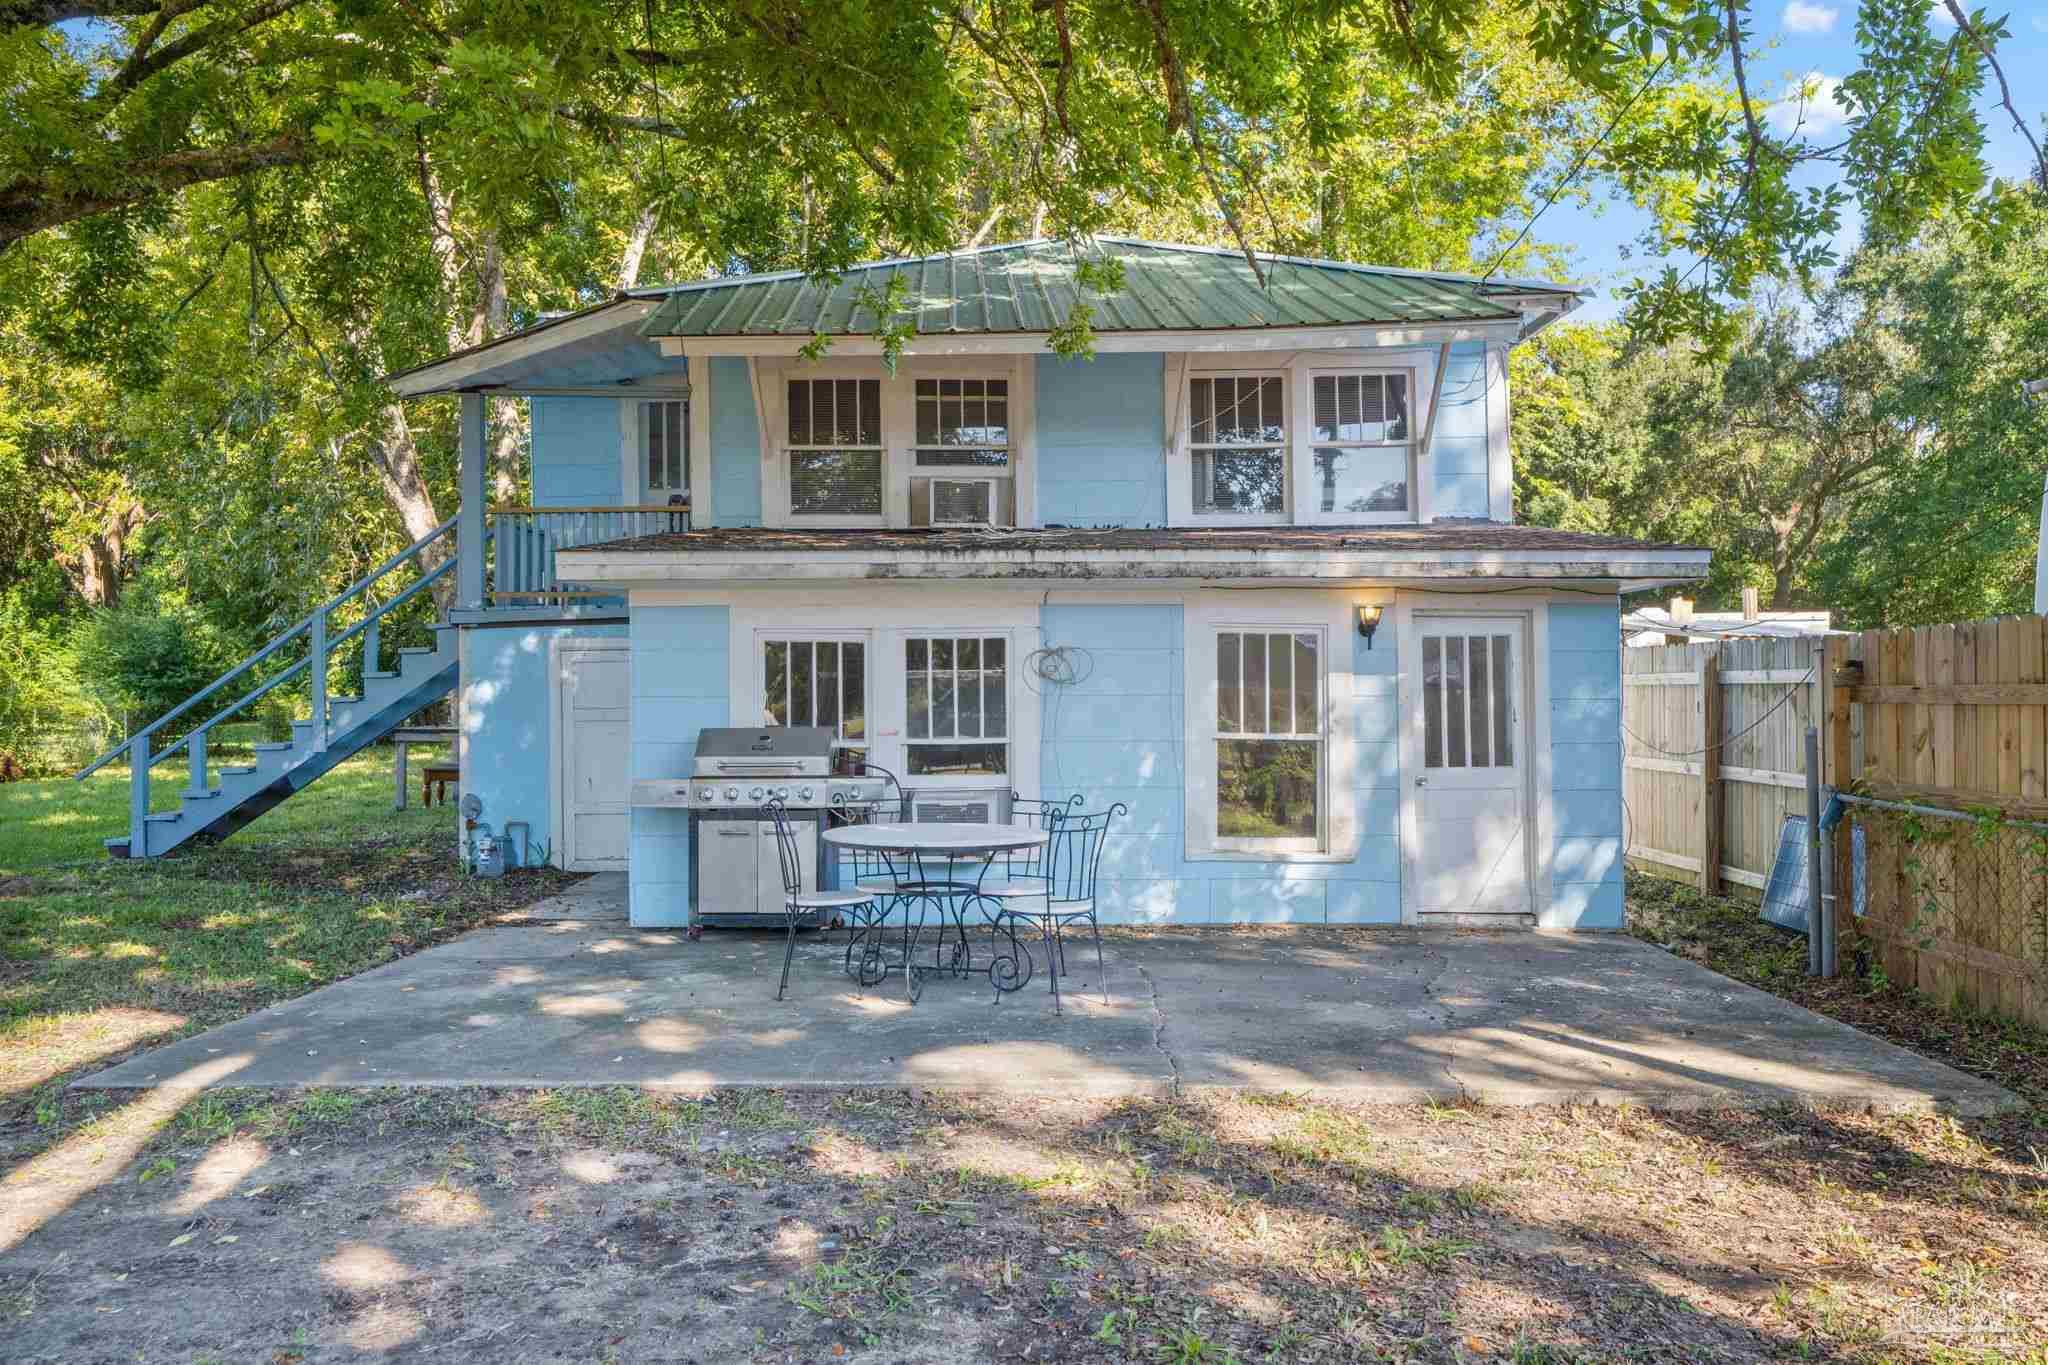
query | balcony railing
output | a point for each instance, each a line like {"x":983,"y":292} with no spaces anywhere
{"x":524,"y":541}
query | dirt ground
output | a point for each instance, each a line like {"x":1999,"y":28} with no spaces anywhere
{"x":766,"y":1226}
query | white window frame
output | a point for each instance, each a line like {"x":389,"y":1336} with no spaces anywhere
{"x":633,"y":487}
{"x":1330,"y":615}
{"x":785,"y":449}
{"x":765,"y":636}
{"x":888,"y":612}
{"x":899,"y":430}
{"x":899,"y":682}
{"x":1181,"y":468}
{"x":1309,"y":510}
{"x":650,"y":493}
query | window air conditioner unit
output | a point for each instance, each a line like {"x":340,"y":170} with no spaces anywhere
{"x":963,"y":502}
{"x":954,"y":807}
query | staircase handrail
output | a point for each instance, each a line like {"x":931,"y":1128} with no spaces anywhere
{"x":279,"y":641}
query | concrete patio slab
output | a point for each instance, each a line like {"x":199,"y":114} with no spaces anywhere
{"x":569,"y":995}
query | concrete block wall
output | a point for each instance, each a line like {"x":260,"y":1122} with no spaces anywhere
{"x":680,"y":686}
{"x":1585,"y":758}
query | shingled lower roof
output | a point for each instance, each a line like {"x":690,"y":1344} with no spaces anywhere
{"x":1420,"y":554}
{"x":1030,"y":287}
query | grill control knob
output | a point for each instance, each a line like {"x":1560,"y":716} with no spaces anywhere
{"x":782,"y":793}
{"x":732,"y":793}
{"x":803,"y":793}
{"x":754,"y":793}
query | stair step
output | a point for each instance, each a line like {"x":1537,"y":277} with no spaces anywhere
{"x":343,"y":701}
{"x":169,"y":817}
{"x":241,"y":772}
{"x":415,"y":650}
{"x":378,"y":677}
{"x":190,"y":795}
{"x":269,"y":747}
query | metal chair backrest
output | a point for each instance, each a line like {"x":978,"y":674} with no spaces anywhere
{"x":1035,"y":813}
{"x":1074,"y":853}
{"x":785,"y":845}
{"x":861,"y":864}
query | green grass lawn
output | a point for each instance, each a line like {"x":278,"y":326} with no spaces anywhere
{"x":63,"y":821}
{"x":99,"y":957}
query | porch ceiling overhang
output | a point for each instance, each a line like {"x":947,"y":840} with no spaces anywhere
{"x":1416,"y":555}
{"x":594,"y":350}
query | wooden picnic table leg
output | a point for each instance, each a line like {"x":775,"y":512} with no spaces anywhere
{"x":398,"y":793}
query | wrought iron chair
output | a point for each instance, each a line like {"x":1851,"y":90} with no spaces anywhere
{"x":867,"y":871}
{"x":796,"y":900}
{"x":1073,"y":858}
{"x":1022,"y":875}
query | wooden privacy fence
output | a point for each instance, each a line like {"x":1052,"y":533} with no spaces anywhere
{"x":1948,"y":718}
{"x":1713,"y":738}
{"x":1952,"y":717}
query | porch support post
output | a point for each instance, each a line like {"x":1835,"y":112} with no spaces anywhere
{"x":469,"y":523}
{"x":138,"y":797}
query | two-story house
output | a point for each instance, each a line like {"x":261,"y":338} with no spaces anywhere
{"x":1250,"y":569}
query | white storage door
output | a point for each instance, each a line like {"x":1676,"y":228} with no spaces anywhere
{"x":596,"y":757}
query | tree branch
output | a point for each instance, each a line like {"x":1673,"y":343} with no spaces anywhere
{"x":1753,"y":142}
{"x":32,"y":203}
{"x":20,"y":14}
{"x":1955,"y":12}
{"x":144,"y":63}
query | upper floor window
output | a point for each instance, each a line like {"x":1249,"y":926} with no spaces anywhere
{"x":835,"y":447}
{"x":1362,"y":452}
{"x":963,"y":423}
{"x":665,"y":438}
{"x":1237,"y":445}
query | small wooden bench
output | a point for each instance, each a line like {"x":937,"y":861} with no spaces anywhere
{"x":434,"y":780}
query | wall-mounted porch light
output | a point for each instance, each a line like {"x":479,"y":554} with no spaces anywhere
{"x":1368,"y":620}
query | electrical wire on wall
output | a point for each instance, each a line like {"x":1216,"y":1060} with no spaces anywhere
{"x":1052,"y":670}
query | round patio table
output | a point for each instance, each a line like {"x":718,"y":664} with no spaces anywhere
{"x":925,"y":863}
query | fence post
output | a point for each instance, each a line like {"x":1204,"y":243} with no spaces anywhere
{"x":317,"y":671}
{"x":1711,"y":812}
{"x":138,"y":796}
{"x":1838,"y":773}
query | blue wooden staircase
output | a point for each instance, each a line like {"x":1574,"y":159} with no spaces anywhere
{"x":336,"y":728}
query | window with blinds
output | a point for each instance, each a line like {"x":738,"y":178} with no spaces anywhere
{"x":1362,"y":453}
{"x":1237,"y":444}
{"x":963,"y":423}
{"x":665,"y":427}
{"x":835,"y":447}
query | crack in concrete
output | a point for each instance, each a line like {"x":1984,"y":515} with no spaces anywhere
{"x":1159,"y":1029}
{"x":1449,"y":1041}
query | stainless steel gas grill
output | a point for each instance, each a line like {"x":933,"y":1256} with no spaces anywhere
{"x":735,"y":878}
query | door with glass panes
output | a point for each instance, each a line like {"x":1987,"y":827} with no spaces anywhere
{"x":1471,"y":788}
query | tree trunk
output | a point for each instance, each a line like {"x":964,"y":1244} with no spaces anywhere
{"x":97,"y":573}
{"x":397,"y":458}
{"x":635,"y":253}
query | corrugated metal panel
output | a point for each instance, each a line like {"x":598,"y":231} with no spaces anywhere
{"x":1030,"y":287}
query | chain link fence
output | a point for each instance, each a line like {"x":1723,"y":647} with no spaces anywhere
{"x":1952,"y":902}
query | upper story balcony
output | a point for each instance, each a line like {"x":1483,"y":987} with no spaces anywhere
{"x":521,"y":578}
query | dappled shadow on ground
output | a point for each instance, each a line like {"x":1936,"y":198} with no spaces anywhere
{"x":879,"y":1225}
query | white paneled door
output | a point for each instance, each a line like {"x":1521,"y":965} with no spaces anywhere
{"x":596,"y":764}
{"x":1472,"y":788}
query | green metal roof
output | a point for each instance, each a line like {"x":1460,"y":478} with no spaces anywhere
{"x":1029,"y":287}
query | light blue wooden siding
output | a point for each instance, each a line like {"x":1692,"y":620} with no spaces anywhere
{"x":680,"y":685}
{"x":1101,"y":431}
{"x":1585,"y":757}
{"x":508,"y":707}
{"x":1117,"y":736}
{"x":735,"y":444}
{"x":576,"y":452}
{"x":1458,"y":449}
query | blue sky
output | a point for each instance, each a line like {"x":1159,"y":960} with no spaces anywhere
{"x":1813,"y":42}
